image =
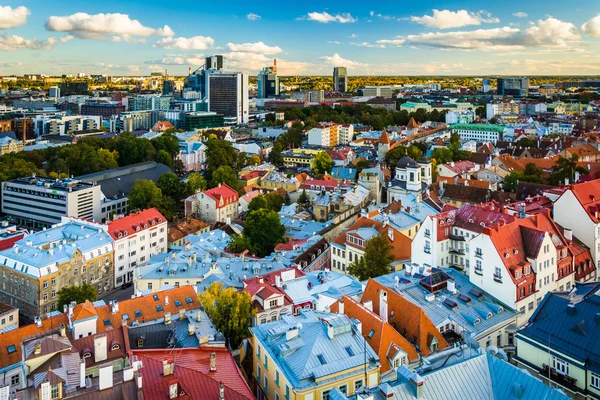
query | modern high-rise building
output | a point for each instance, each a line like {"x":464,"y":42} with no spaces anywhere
{"x":516,"y":87}
{"x":340,"y":79}
{"x":54,"y":92}
{"x":268,"y":82}
{"x":225,"y":92}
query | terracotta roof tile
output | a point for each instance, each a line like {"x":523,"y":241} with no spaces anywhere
{"x":128,"y":225}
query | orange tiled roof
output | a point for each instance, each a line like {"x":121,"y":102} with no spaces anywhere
{"x":510,"y":163}
{"x":588,"y":195}
{"x":464,"y":182}
{"x":84,"y":310}
{"x":384,"y":138}
{"x":186,"y":227}
{"x":408,"y":317}
{"x":384,"y":335}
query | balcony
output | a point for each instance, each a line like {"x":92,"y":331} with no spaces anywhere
{"x":498,"y":278}
{"x":458,"y":238}
{"x":479,"y":254}
{"x":458,"y":267}
{"x":456,"y":250}
{"x":556,"y":377}
{"x":427,"y":250}
{"x":427,"y":234}
{"x":478,"y":271}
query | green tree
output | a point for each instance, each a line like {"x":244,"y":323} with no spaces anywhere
{"x":442,"y":155}
{"x":264,"y":231}
{"x":565,"y":168}
{"x":258,"y":203}
{"x":79,"y":294}
{"x":275,"y":156}
{"x":511,"y":181}
{"x":224,"y":174}
{"x":168,"y":143}
{"x":145,"y":194}
{"x":163,"y":157}
{"x":229,"y":310}
{"x":196,"y":183}
{"x":360,"y":164}
{"x":322,"y":163}
{"x":303,"y":198}
{"x":170,"y":185}
{"x":414,"y":152}
{"x":377,"y":259}
{"x":219,"y":153}
{"x":525,"y":142}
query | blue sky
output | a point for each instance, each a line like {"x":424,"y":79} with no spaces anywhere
{"x":376,"y":38}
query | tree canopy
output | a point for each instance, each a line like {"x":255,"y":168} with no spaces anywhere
{"x":262,"y":232}
{"x":322,"y":163}
{"x":79,"y":294}
{"x":565,"y":168}
{"x":377,"y":259}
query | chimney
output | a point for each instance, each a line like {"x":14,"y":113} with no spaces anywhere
{"x":198,"y":316}
{"x":173,"y":389}
{"x":330,"y":333}
{"x":139,"y":380}
{"x":195,"y":257}
{"x":181,"y":314}
{"x":166,"y":300}
{"x":341,"y":306}
{"x":391,"y":234}
{"x":451,"y":287}
{"x":213,"y":362}
{"x":191,"y":328}
{"x":222,"y":391}
{"x":189,"y":71}
{"x":37,"y":348}
{"x":167,"y":318}
{"x":277,"y":280}
{"x":63,"y":330}
{"x":114,"y":307}
{"x":100,"y":348}
{"x":189,"y":261}
{"x":568,"y":234}
{"x":168,"y":366}
{"x":368,"y":305}
{"x":105,"y":374}
{"x":82,"y":383}
{"x":292,"y":333}
{"x":383,"y":305}
{"x":517,"y":390}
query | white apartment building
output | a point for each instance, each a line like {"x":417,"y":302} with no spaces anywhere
{"x":563,"y":128}
{"x":137,"y":237}
{"x":345,"y":133}
{"x":515,"y":260}
{"x":219,"y":204}
{"x":479,"y":132}
{"x":41,"y":202}
{"x":495,"y":109}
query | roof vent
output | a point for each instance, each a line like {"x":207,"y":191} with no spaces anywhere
{"x":518,"y":390}
{"x":571,"y":309}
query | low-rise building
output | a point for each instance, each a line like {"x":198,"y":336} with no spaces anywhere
{"x":179,"y":230}
{"x":308,"y":355}
{"x":9,"y":317}
{"x":479,"y":132}
{"x":219,"y":204}
{"x":276,"y":180}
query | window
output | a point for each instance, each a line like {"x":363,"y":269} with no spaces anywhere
{"x":14,"y":380}
{"x":321,"y":359}
{"x":277,"y":378}
{"x":561,"y":366}
{"x":87,"y":354}
{"x":358,"y":384}
{"x":266,"y":384}
{"x":530,"y":307}
{"x":149,"y":285}
{"x":287,"y":392}
{"x":595,"y":382}
{"x":276,"y":396}
{"x":325,"y":395}
{"x":11,"y":349}
{"x":45,"y":284}
{"x":140,"y":342}
{"x":266,"y":365}
{"x":258,"y":373}
{"x":273,"y":303}
{"x":497,"y":274}
{"x":56,"y":391}
{"x":343,"y":389}
{"x":478,"y":267}
{"x":349,"y":351}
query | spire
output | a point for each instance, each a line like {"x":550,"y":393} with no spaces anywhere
{"x":412,"y":124}
{"x":384,"y":139}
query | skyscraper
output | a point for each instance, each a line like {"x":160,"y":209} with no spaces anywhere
{"x":516,"y":87}
{"x":340,"y":79}
{"x":268,"y":82}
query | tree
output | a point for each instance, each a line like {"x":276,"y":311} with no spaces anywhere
{"x":168,"y":143}
{"x":511,"y":180}
{"x":170,"y":185}
{"x":229,"y":310}
{"x":525,"y":142}
{"x":360,"y":164}
{"x":254,"y":160}
{"x":225,"y":174}
{"x":275,"y":156}
{"x":264,"y":231}
{"x":303,"y":198}
{"x":442,"y":155}
{"x":322,"y":163}
{"x":145,"y":194}
{"x":79,"y":294}
{"x":564,"y":169}
{"x":196,"y":183}
{"x":219,"y":153}
{"x":376,"y":261}
{"x":163,"y":157}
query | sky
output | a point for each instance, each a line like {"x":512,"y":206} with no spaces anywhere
{"x":136,"y":37}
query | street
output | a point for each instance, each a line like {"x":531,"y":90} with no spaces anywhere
{"x":118,"y":294}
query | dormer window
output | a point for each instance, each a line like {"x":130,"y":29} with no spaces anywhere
{"x":87,"y":354}
{"x":115,"y":346}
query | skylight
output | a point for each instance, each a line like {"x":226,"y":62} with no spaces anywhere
{"x":11,"y":349}
{"x":464,"y":298}
{"x":106,"y":322}
{"x":475,"y":293}
{"x":177,"y":303}
{"x":138,"y":313}
{"x":321,"y":359}
{"x":371,"y":334}
{"x":349,"y":351}
{"x":450,"y":303}
{"x":159,"y":308}
{"x":188,"y":300}
{"x":155,"y":297}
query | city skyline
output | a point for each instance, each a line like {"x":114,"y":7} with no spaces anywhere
{"x":431,"y":38}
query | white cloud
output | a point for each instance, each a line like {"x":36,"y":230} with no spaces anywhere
{"x":547,"y":33}
{"x":334,"y":42}
{"x":337,"y":61}
{"x":67,"y":38}
{"x":14,"y":42}
{"x":133,"y":68}
{"x":520,"y":14}
{"x":258,"y":47}
{"x":97,"y":26}
{"x":193,"y":43}
{"x":9,"y":64}
{"x":179,"y":59}
{"x":253,"y":17}
{"x":253,"y":62}
{"x":353,"y":36}
{"x":445,"y":19}
{"x":155,"y":68}
{"x":128,"y":39}
{"x":325,"y":17}
{"x":106,"y":66}
{"x":592,"y":27}
{"x":367,"y":44}
{"x":12,"y":17}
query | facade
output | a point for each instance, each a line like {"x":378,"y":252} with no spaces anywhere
{"x":137,"y":237}
{"x":411,"y":177}
{"x":149,"y":102}
{"x":104,"y":110}
{"x":41,"y":202}
{"x":202,"y":120}
{"x":38,"y":266}
{"x":378,"y":91}
{"x":192,"y":155}
{"x":218,"y":204}
{"x":10,"y":145}
{"x":268,"y":82}
{"x":305,"y":357}
{"x":557,"y":346}
{"x":516,"y":87}
{"x":9,"y":317}
{"x":479,"y":132}
{"x":228,"y":95}
{"x":340,"y":79}
{"x":502,"y":108}
{"x":460,"y":117}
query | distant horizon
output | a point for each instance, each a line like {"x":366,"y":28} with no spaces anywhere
{"x":137,"y":37}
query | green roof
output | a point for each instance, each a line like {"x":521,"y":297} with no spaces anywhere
{"x":479,"y":127}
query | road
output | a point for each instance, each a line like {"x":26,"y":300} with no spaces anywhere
{"x":118,"y":295}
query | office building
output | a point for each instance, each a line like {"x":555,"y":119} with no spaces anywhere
{"x":268,"y":82}
{"x":149,"y":102}
{"x":104,"y":110}
{"x":515,"y":87}
{"x":487,"y":85}
{"x":202,"y":120}
{"x":228,"y":95}
{"x":340,"y":79}
{"x":378,"y":91}
{"x":37,"y":267}
{"x":54,"y":92}
{"x":40,"y":202}
{"x":137,"y":237}
{"x":479,"y":132}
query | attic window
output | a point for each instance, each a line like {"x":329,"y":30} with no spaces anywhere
{"x":188,"y":300}
{"x":138,"y":313}
{"x":106,"y":322}
{"x":475,"y":293}
{"x":115,"y":346}
{"x":155,"y":297}
{"x":321,"y":359}
{"x":177,"y":303}
{"x":159,"y":308}
{"x":464,"y":298}
{"x":449,"y":303}
{"x":11,"y":349}
{"x":371,"y":334}
{"x":349,"y":351}
{"x":87,"y":354}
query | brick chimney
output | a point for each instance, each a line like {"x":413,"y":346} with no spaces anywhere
{"x":213,"y":362}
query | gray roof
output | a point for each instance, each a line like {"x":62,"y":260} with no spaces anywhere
{"x":119,"y":181}
{"x":476,"y":315}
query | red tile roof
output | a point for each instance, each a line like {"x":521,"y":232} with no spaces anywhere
{"x":192,"y":372}
{"x":319,"y":183}
{"x":384,"y":335}
{"x":588,"y":195}
{"x":223,"y":195}
{"x":460,"y":167}
{"x":384,"y":138}
{"x":408,"y":317}
{"x":130,"y":224}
